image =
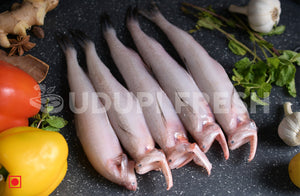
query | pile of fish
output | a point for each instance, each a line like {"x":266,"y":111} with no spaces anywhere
{"x":163,"y":100}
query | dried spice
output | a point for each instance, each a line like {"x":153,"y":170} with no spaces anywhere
{"x":20,"y":45}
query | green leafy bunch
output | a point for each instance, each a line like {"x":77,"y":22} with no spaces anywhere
{"x":258,"y":75}
{"x":48,"y":122}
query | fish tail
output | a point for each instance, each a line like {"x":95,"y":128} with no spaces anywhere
{"x":150,"y":13}
{"x":80,"y":36}
{"x":155,"y":160}
{"x":63,"y":41}
{"x":105,"y":22}
{"x":132,"y":14}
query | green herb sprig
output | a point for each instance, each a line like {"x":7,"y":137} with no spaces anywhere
{"x":48,"y":122}
{"x":258,"y":75}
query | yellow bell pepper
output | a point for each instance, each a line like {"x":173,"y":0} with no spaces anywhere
{"x":36,"y":161}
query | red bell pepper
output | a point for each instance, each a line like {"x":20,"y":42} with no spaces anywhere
{"x":20,"y":96}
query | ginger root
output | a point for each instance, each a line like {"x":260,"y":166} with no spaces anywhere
{"x":22,"y":17}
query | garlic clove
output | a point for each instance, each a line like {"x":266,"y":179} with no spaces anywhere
{"x":289,"y":127}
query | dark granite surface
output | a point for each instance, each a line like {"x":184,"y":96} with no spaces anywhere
{"x":267,"y":174}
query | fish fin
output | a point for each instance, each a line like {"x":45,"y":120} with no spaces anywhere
{"x":124,"y":129}
{"x":161,"y":112}
{"x":187,"y":67}
{"x":105,"y":22}
{"x":132,"y":14}
{"x":80,"y":36}
{"x":63,"y":41}
{"x":123,"y":124}
{"x":149,"y":70}
{"x":190,"y":108}
{"x":232,"y":99}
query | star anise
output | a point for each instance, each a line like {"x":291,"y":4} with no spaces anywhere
{"x":20,"y":45}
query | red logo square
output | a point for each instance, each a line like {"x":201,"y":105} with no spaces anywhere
{"x":14,"y":182}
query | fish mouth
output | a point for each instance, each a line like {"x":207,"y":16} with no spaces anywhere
{"x":208,"y":135}
{"x":155,"y":160}
{"x":131,"y":183}
{"x":121,"y":171}
{"x":243,"y":134}
{"x":179,"y":155}
{"x":184,"y":153}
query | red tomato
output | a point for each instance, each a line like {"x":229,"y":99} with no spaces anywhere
{"x":20,"y":97}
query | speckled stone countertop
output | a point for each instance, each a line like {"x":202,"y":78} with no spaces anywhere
{"x":267,"y":174}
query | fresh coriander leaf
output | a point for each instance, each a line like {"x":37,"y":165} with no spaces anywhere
{"x":243,"y":64}
{"x":288,"y":54}
{"x":37,"y":116}
{"x":246,"y":93}
{"x":56,"y":122}
{"x":273,"y":62}
{"x":205,"y":23}
{"x":284,"y":61}
{"x":279,"y":29}
{"x":237,"y":76}
{"x":48,"y":122}
{"x":291,"y":56}
{"x":265,"y":43}
{"x":276,"y":31}
{"x":230,"y":23}
{"x":43,"y":123}
{"x":252,"y":38}
{"x":264,"y":90}
{"x":236,"y":48}
{"x":286,"y":74}
{"x":272,"y":75}
{"x":216,"y":21}
{"x":291,"y":88}
{"x":49,"y":108}
{"x":45,"y":115}
{"x":34,"y":123}
{"x":50,"y":128}
{"x":296,"y":59}
{"x":256,"y":99}
{"x":249,"y":77}
{"x":260,"y":70}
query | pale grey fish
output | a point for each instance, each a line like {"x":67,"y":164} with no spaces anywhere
{"x":160,"y":114}
{"x":195,"y":112}
{"x":94,"y":130}
{"x":125,"y":113}
{"x":212,"y":79}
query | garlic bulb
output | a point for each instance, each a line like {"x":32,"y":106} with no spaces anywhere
{"x":289,"y":127}
{"x":262,"y":14}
